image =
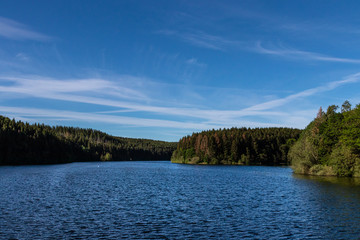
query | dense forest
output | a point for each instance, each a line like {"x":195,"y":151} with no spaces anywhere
{"x":24,"y":143}
{"x":330,"y":144}
{"x":242,"y":146}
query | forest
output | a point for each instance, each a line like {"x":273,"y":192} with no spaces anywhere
{"x":24,"y":143}
{"x":240,"y":146}
{"x":330,"y":144}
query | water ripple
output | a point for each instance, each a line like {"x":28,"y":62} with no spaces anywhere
{"x":160,"y":200}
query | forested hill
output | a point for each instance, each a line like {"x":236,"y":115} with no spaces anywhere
{"x":330,"y":145}
{"x":243,"y":146}
{"x":24,"y":143}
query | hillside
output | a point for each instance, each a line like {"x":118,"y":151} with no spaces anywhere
{"x":24,"y":143}
{"x":242,"y":146}
{"x":330,"y":145}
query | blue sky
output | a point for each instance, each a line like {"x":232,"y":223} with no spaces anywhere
{"x":165,"y":69}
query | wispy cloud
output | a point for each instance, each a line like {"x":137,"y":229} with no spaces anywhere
{"x":301,"y":55}
{"x":18,"y":31}
{"x":102,"y":118}
{"x":306,"y":93}
{"x":83,"y":91}
{"x":202,"y":39}
{"x":101,"y":92}
{"x":322,"y":29}
{"x":23,"y":57}
{"x":38,"y":86}
{"x":195,"y":62}
{"x":30,"y":113}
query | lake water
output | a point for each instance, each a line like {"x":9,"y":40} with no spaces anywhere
{"x":161,"y":200}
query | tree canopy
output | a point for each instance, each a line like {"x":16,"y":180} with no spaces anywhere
{"x":330,"y":144}
{"x":24,"y":143}
{"x":242,"y":146}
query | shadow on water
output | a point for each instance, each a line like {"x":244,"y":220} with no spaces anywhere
{"x":331,"y":204}
{"x":343,"y":181}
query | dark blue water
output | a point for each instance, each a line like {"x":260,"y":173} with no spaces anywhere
{"x":160,"y":200}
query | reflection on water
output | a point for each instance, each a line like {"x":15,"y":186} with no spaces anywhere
{"x":336,"y":202}
{"x":160,"y":200}
{"x":344,"y":181}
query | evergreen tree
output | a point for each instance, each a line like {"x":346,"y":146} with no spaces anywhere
{"x":24,"y":143}
{"x":330,"y":145}
{"x":260,"y":146}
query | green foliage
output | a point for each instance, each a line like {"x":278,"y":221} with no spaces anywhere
{"x":106,"y":157}
{"x":343,"y":160}
{"x":22,"y":143}
{"x":345,"y":107}
{"x":321,"y":170}
{"x":330,"y":145}
{"x":242,"y":146}
{"x":190,"y":153}
{"x":304,"y":151}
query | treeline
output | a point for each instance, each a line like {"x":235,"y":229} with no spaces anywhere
{"x":242,"y":146}
{"x":330,"y":145}
{"x":24,"y":143}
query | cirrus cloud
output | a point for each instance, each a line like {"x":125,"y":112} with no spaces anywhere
{"x":18,"y":31}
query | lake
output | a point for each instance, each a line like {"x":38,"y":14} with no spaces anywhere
{"x":161,"y":200}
